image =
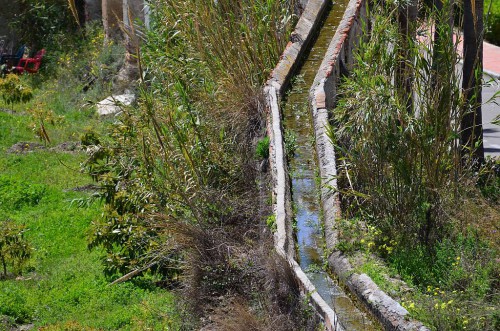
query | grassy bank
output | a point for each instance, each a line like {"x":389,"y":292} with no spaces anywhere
{"x":62,"y":286}
{"x":176,"y":181}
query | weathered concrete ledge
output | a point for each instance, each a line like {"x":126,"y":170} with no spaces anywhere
{"x":323,"y":94}
{"x":301,"y":37}
{"x":307,"y":25}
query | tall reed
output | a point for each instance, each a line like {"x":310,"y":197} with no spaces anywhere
{"x":405,"y":163}
{"x":184,"y":156}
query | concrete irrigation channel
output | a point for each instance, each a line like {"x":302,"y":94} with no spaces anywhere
{"x":298,"y":128}
{"x":299,"y":95}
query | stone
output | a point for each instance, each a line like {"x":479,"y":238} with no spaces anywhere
{"x":113,"y":105}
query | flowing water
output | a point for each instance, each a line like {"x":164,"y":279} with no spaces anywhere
{"x":299,"y":133}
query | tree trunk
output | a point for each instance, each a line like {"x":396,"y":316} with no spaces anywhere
{"x":129,"y":73}
{"x":93,"y":10}
{"x":4,"y":264}
{"x":80,"y":11}
{"x":471,"y":136}
{"x":105,"y":20}
{"x":112,"y":16}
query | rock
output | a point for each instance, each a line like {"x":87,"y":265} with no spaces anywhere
{"x":26,"y":327}
{"x":113,"y":105}
{"x":25,"y":146}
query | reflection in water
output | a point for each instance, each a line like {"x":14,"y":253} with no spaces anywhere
{"x":297,"y":121}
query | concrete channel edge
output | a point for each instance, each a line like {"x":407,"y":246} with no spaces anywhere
{"x":274,"y":89}
{"x":322,"y":97}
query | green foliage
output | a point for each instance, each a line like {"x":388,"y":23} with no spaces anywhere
{"x":181,"y":158}
{"x":256,"y":30}
{"x":63,"y":285}
{"x":89,"y":64}
{"x":409,"y":198}
{"x":64,"y":281}
{"x":459,"y":263}
{"x":290,"y":143}
{"x":492,"y":21}
{"x":41,"y":117}
{"x":44,"y":23}
{"x":14,"y":249}
{"x":271,"y":223}
{"x":89,"y":138}
{"x":354,"y":235}
{"x":14,"y":90}
{"x":262,"y":149}
{"x":403,"y":163}
{"x":489,"y":180}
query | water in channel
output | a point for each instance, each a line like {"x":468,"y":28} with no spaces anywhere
{"x":303,"y":170}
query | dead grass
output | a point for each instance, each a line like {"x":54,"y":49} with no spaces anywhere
{"x":232,"y":278}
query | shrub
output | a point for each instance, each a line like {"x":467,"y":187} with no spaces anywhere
{"x":404,"y":162}
{"x":89,"y":138}
{"x":14,"y":249}
{"x":403,"y":177}
{"x":14,"y":90}
{"x":44,"y":24}
{"x":183,"y":157}
{"x":492,"y":21}
{"x":41,"y":117}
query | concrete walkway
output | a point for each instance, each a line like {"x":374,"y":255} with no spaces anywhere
{"x":491,"y":110}
{"x":491,"y":132}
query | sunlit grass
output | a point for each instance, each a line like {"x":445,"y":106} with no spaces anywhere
{"x":63,"y":285}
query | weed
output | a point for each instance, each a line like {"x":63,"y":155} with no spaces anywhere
{"x":313,"y":268}
{"x":290,"y":143}
{"x":271,"y":223}
{"x":262,"y":149}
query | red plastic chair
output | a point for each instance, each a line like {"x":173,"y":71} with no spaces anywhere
{"x":31,"y":64}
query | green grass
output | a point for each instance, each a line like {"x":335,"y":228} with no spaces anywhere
{"x":63,"y":283}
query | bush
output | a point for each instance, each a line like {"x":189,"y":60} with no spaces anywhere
{"x":14,"y":249}
{"x":391,"y":152}
{"x":183,"y":157}
{"x":403,"y":178}
{"x":492,"y":21}
{"x":44,"y":24}
{"x":14,"y":90}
